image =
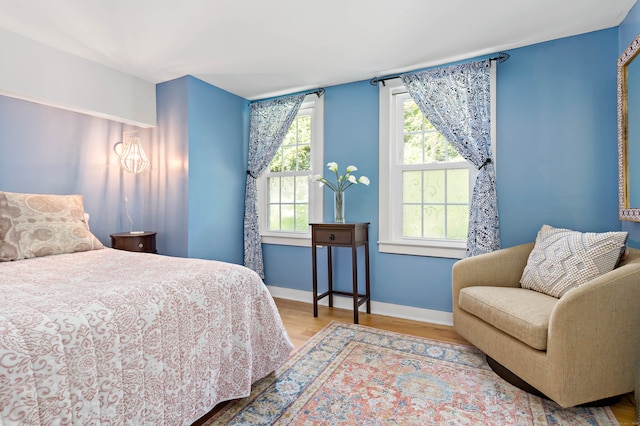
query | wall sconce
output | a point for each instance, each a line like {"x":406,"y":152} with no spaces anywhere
{"x":131,"y":156}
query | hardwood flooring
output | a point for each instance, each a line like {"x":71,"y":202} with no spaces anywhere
{"x":301,"y":325}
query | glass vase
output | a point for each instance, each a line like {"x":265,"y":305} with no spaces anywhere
{"x":338,"y":207}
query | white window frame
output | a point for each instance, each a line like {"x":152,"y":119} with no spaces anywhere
{"x":390,"y":202}
{"x":314,"y":106}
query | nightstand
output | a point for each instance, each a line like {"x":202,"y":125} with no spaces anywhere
{"x":143,"y":242}
{"x":350,"y":235}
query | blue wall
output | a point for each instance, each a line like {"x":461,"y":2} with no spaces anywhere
{"x":167,"y":178}
{"x":199,"y":156}
{"x":48,"y":150}
{"x":556,"y":162}
{"x":556,"y":130}
{"x":218,"y":147}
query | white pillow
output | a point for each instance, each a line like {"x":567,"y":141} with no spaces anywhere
{"x":563,"y":259}
{"x":34,"y":225}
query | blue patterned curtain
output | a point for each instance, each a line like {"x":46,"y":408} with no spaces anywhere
{"x":270,"y":121}
{"x":457,"y":101}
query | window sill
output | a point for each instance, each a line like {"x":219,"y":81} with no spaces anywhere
{"x":300,"y":240}
{"x":447,"y":250}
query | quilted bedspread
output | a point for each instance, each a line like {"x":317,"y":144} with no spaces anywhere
{"x":121,"y":338}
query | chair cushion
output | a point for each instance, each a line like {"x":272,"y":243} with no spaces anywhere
{"x":563,"y":259}
{"x":521,"y":313}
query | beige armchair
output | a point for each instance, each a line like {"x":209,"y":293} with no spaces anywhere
{"x":575,"y":350}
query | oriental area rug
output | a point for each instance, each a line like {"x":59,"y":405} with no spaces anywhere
{"x":354,"y":375}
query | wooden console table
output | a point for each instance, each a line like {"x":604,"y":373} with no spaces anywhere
{"x":352,"y":235}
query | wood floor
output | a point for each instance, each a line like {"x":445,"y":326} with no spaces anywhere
{"x":301,"y":325}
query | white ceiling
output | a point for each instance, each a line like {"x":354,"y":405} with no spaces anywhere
{"x":262,"y":48}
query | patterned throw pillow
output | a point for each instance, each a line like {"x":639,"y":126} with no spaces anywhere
{"x":34,"y":225}
{"x":563,"y":259}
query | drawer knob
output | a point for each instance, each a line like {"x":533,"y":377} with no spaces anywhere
{"x":140,"y":245}
{"x":332,"y":237}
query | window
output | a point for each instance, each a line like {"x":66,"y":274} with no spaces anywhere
{"x":425,"y":184}
{"x":435,"y":178}
{"x":287,"y":200}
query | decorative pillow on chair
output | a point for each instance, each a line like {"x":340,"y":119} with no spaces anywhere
{"x":34,"y":225}
{"x":563,"y":259}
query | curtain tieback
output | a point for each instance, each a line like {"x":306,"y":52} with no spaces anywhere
{"x":251,"y":174}
{"x":487,"y":161}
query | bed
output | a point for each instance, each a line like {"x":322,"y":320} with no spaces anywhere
{"x":93,"y":335}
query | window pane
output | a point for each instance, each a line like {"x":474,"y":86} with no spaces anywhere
{"x":276,"y":162}
{"x":436,"y":147}
{"x":304,"y":157}
{"x":302,"y":189}
{"x":458,"y":186}
{"x":302,"y":215}
{"x":289,"y":155}
{"x":434,"y":186}
{"x":411,"y":221}
{"x":287,"y":189}
{"x":412,"y":149}
{"x":457,"y":222}
{"x":420,"y":137}
{"x":274,"y":189}
{"x":304,"y":129}
{"x":413,"y":118}
{"x":290,"y":137}
{"x":274,"y":216}
{"x":434,"y":221}
{"x":412,"y":187}
{"x":287,"y":222}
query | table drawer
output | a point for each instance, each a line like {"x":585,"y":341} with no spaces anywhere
{"x":333,"y":236}
{"x":144,"y":243}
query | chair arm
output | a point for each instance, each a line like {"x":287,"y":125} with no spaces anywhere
{"x":501,"y":268}
{"x":599,"y":320}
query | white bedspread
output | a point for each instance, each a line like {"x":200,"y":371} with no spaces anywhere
{"x":120,"y":338}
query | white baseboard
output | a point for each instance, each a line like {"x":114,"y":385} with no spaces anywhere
{"x":380,"y":308}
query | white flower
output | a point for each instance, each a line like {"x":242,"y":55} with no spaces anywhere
{"x":343,"y":182}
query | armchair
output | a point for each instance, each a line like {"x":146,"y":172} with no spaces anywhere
{"x":574,"y":350}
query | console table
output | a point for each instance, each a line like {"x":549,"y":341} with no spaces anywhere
{"x":351,"y":235}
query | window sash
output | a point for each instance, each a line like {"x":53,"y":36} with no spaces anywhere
{"x":396,"y":171}
{"x":312,"y":106}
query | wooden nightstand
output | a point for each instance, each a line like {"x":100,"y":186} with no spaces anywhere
{"x":143,"y":242}
{"x":351,"y":235}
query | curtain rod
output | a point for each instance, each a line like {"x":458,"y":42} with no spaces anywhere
{"x":375,"y":80}
{"x":318,"y":92}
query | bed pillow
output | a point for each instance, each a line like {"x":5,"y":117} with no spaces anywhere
{"x":563,"y":259}
{"x":34,"y":225}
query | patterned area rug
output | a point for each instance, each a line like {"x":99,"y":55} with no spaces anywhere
{"x":354,"y":375}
